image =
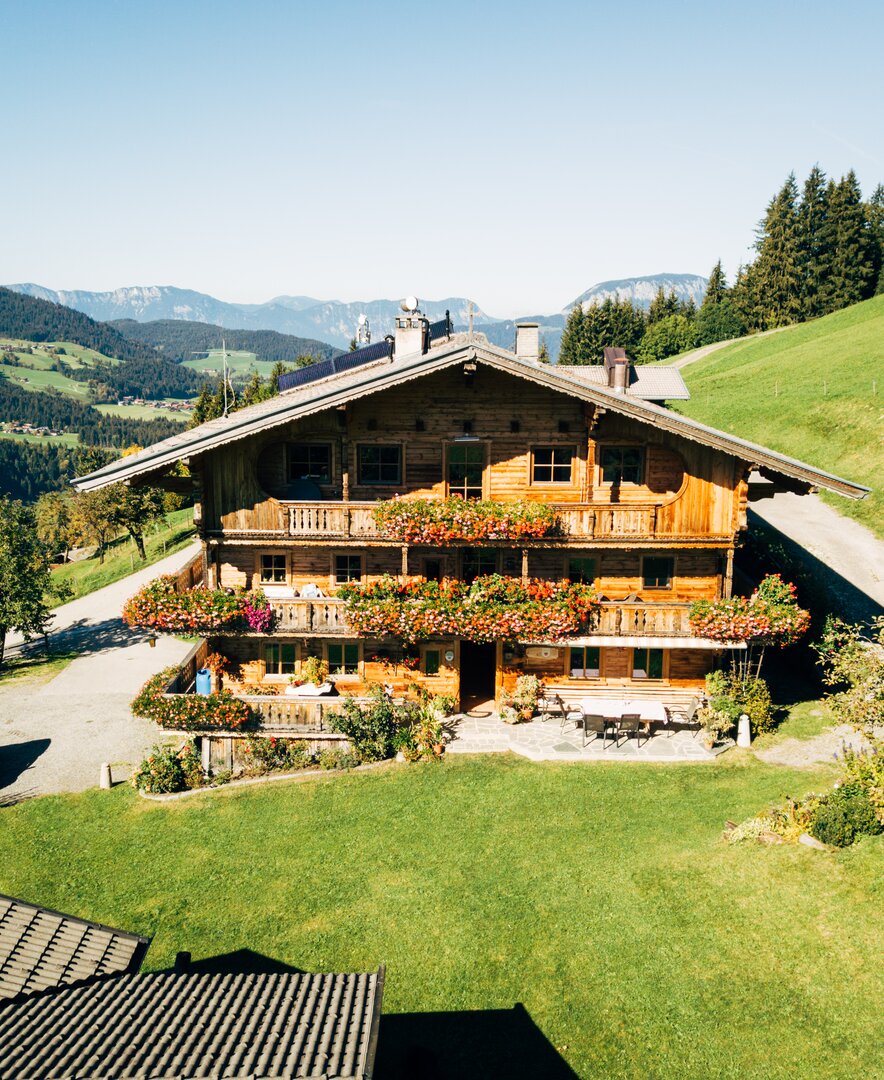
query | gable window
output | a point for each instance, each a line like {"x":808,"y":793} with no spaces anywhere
{"x":477,"y":562}
{"x":657,"y":572}
{"x":309,"y":461}
{"x":552,"y":464}
{"x":585,"y":662}
{"x":647,"y":663}
{"x":347,"y":568}
{"x":380,"y":465}
{"x":622,"y":464}
{"x":465,"y":469}
{"x":272,"y":569}
{"x":279,"y":659}
{"x":582,"y":571}
{"x":343,"y":657}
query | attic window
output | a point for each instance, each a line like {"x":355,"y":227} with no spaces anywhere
{"x":468,"y":427}
{"x":515,"y":426}
{"x":372,"y":425}
{"x":419,"y":425}
{"x":564,"y":427}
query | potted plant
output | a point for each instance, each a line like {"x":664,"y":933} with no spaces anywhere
{"x":715,"y":725}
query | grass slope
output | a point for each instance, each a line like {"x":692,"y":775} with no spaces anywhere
{"x":813,"y":391}
{"x":121,"y":559}
{"x":239,"y":363}
{"x":143,"y":412}
{"x":601,"y":897}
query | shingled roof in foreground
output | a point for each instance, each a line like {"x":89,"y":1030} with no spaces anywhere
{"x":41,"y":949}
{"x":184,"y":1026}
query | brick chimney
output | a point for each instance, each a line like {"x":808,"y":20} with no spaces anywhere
{"x":528,"y":340}
{"x":617,"y":365}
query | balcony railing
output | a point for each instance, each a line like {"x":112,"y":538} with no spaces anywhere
{"x":327,"y":618}
{"x":354,"y":520}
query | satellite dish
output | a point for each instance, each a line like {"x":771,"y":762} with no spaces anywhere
{"x":410,"y":303}
{"x":361,"y":320}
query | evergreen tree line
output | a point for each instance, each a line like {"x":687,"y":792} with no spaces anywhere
{"x":153,"y":378}
{"x":33,"y":319}
{"x":49,"y":408}
{"x":211,"y":401}
{"x":179,"y":339}
{"x":29,"y":470}
{"x":817,"y":251}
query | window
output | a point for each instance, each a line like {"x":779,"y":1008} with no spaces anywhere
{"x":585,"y":662}
{"x":347,"y":568}
{"x":343,"y":658}
{"x":551,"y":464}
{"x":477,"y":563}
{"x":433,"y":569}
{"x":279,"y":659}
{"x":647,"y":663}
{"x":273,"y":569}
{"x":432,"y":658}
{"x":657,"y":572}
{"x":310,"y":461}
{"x":466,"y":465}
{"x":622,"y":464}
{"x":380,"y":465}
{"x":581,"y":571}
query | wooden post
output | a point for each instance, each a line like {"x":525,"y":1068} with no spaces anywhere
{"x":728,"y":583}
{"x":524,"y":566}
{"x":404,"y":574}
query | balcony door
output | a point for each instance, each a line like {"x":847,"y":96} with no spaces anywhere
{"x":465,"y":469}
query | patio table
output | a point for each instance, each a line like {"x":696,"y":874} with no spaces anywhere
{"x":614,"y":708}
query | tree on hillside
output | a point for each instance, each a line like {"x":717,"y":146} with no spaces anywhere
{"x":665,"y":338}
{"x":717,"y":319}
{"x":814,"y":249}
{"x":875,"y":214}
{"x":616,"y":323}
{"x":775,"y":276}
{"x":54,"y":522}
{"x":662,"y":306}
{"x":848,"y":237}
{"x":93,"y":516}
{"x":135,"y":509}
{"x":24,"y":574}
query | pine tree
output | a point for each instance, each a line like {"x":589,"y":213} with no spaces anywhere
{"x":775,"y":275}
{"x":875,"y":214}
{"x":848,"y":234}
{"x":815,"y":251}
{"x":571,"y":347}
{"x":662,"y":306}
{"x":716,"y":288}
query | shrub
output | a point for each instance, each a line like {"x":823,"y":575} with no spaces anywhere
{"x":729,"y":694}
{"x":440,"y":521}
{"x":338,"y":757}
{"x":372,"y":729}
{"x":159,"y":606}
{"x":167,"y":769}
{"x":845,"y":815}
{"x":866,"y":768}
{"x":270,"y":754}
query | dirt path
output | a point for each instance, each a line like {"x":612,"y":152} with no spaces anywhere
{"x":55,"y":735}
{"x":820,"y":749}
{"x":705,"y":350}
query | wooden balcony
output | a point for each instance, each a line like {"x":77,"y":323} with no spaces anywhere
{"x":327,"y":618}
{"x":643,"y":620}
{"x":354,"y":520}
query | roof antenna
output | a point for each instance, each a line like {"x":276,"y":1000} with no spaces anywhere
{"x":363,"y":331}
{"x":224,"y":372}
{"x":470,"y":316}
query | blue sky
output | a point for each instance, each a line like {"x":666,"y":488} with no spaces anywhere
{"x":515,"y":153}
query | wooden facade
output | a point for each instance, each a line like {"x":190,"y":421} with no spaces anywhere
{"x":652,"y":537}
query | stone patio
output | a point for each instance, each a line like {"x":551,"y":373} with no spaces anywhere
{"x":542,"y":740}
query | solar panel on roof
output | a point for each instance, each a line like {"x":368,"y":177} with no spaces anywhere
{"x":335,"y":366}
{"x":441,"y":329}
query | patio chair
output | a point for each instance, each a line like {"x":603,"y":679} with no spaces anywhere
{"x":597,"y":724}
{"x":569,"y":712}
{"x":685,"y":714}
{"x":547,"y":706}
{"x":630,"y":724}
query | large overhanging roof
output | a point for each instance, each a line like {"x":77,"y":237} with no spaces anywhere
{"x":336,"y":390}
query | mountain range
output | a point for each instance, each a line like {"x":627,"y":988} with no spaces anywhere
{"x":334,"y":321}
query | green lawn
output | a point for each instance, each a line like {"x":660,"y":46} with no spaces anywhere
{"x":121,"y":559}
{"x":67,"y":438}
{"x":239,"y":363}
{"x":39,"y":378}
{"x":813,"y":391}
{"x":40,"y":668}
{"x":601,"y":897}
{"x":143,"y":412}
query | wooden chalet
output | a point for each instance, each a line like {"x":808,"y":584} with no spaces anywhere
{"x":651,"y":504}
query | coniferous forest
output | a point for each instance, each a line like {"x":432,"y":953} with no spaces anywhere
{"x":818,"y":249}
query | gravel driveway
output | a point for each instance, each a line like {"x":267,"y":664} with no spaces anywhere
{"x":54,"y":735}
